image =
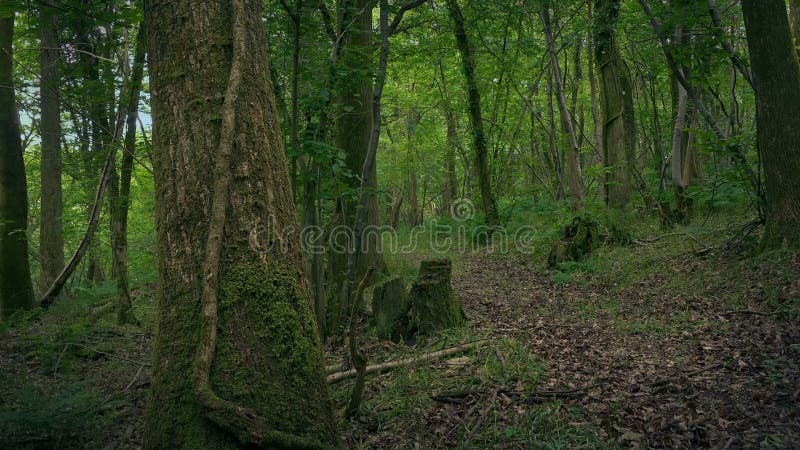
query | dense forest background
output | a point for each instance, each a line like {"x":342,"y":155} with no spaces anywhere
{"x":614,"y":184}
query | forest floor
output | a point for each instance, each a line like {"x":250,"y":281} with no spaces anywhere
{"x":672,"y":342}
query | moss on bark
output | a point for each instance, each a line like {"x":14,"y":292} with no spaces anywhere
{"x":434,"y":305}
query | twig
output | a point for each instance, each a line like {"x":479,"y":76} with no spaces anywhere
{"x":73,"y":344}
{"x":134,"y":378}
{"x":750,"y":312}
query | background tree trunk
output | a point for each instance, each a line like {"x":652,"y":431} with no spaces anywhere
{"x":794,"y":12}
{"x":776,"y":73}
{"x":51,"y":238}
{"x":119,"y":195}
{"x":573,"y":165}
{"x":352,"y":135}
{"x":247,"y":356}
{"x":476,"y":118}
{"x":16,"y":288}
{"x":616,"y":97}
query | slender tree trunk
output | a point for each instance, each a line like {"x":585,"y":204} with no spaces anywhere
{"x":412,"y":176}
{"x":97,"y":127}
{"x":51,"y":238}
{"x":598,"y":124}
{"x":678,"y":140}
{"x":294,"y":123}
{"x":573,"y":166}
{"x":794,"y":13}
{"x":237,"y":360}
{"x":619,"y":127}
{"x":474,"y":102}
{"x":450,"y":191}
{"x":352,"y":136}
{"x":776,"y":73}
{"x":120,"y":187}
{"x":16,"y":288}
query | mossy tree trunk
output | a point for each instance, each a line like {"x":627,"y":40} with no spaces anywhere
{"x":434,"y":304}
{"x":776,"y":73}
{"x":616,"y":100}
{"x":353,"y":127}
{"x":237,"y":358}
{"x":51,"y":238}
{"x":794,"y":13}
{"x":16,"y":288}
{"x":488,"y":202}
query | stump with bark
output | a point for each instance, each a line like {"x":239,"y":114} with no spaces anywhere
{"x":434,"y":305}
{"x":577,"y":244}
{"x":390,"y":307}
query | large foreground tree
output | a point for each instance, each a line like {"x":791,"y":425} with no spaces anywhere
{"x":16,"y":289}
{"x":237,"y":356}
{"x":776,"y":73}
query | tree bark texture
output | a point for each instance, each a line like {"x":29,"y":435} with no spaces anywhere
{"x":51,"y":238}
{"x":238,"y":361}
{"x":776,"y":73}
{"x":616,"y":97}
{"x":16,"y":288}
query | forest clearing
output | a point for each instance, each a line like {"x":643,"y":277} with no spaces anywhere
{"x":410,"y":224}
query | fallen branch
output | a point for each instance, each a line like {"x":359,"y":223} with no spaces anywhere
{"x":72,"y":344}
{"x":749,"y":312}
{"x":339,"y":376}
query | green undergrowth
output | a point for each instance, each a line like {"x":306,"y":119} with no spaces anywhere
{"x":410,"y":405}
{"x":57,"y":390}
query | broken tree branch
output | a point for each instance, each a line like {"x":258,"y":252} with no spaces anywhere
{"x":357,"y":358}
{"x":390,"y":365}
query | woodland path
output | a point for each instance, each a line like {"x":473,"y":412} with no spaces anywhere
{"x":669,"y":371}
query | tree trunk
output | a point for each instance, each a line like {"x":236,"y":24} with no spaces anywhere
{"x":237,"y":354}
{"x":573,"y":166}
{"x":51,"y":238}
{"x":679,"y":182}
{"x":412,"y":176}
{"x":776,"y":73}
{"x":616,"y":94}
{"x":352,"y":136}
{"x":598,"y":125}
{"x":474,"y":102}
{"x":16,"y":288}
{"x":794,"y":12}
{"x":450,"y":191}
{"x":119,"y":191}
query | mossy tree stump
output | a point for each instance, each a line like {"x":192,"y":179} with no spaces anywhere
{"x":390,"y":307}
{"x":434,"y":305}
{"x":577,"y":244}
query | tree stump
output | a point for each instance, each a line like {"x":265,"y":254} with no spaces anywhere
{"x":390,"y":306}
{"x":434,"y":305}
{"x":577,"y":244}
